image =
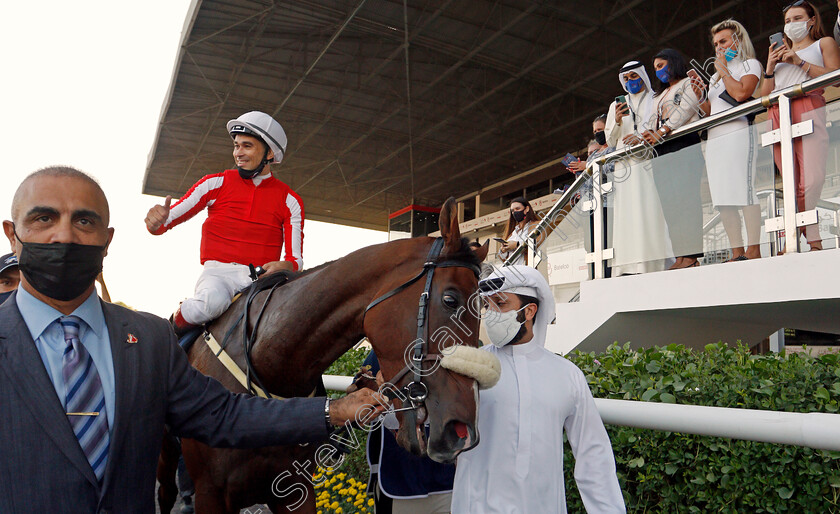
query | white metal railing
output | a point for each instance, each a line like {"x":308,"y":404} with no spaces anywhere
{"x":813,"y":429}
{"x":787,"y":222}
{"x":337,"y":382}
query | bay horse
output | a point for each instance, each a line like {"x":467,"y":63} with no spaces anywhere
{"x":311,"y":321}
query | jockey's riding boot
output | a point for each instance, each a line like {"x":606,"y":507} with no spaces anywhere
{"x":180,"y":325}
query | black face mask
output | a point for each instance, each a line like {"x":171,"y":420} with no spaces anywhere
{"x":601,"y":137}
{"x":61,"y":271}
{"x":249,"y":174}
{"x":4,"y":296}
{"x":518,"y":216}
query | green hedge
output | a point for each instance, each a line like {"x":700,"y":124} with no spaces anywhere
{"x":669,"y":472}
{"x":355,"y":464}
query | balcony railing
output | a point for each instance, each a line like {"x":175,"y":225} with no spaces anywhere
{"x":574,"y":239}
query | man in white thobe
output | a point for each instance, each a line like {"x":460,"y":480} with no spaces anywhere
{"x":518,"y":465}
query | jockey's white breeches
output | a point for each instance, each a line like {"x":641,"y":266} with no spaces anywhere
{"x":215,"y":289}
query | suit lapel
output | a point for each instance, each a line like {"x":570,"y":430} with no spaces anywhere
{"x":20,"y":360}
{"x":125,"y":374}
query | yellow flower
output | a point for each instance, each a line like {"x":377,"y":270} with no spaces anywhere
{"x":334,"y":505}
{"x":370,"y":502}
{"x":338,"y":510}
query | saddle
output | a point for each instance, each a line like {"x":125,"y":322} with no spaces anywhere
{"x":186,"y":339}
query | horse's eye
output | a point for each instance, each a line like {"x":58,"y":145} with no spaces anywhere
{"x":450,"y":301}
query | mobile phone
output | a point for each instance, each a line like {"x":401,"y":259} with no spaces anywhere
{"x":621,"y":99}
{"x":778,"y":40}
{"x":499,"y":240}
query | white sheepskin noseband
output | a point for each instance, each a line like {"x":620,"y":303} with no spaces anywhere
{"x":482,"y":366}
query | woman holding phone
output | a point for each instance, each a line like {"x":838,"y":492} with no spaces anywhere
{"x":806,"y":53}
{"x":639,"y":242}
{"x":730,"y":149}
{"x":678,"y":167}
{"x":521,"y":222}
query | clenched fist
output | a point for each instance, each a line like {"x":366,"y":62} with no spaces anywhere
{"x":362,"y":406}
{"x":158,"y":215}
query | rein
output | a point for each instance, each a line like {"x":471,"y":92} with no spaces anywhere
{"x":416,"y":391}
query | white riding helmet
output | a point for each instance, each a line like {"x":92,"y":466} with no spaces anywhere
{"x":264,"y":127}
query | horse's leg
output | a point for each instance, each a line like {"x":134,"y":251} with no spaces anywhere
{"x":166,"y":468}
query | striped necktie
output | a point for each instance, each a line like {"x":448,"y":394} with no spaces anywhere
{"x":84,"y":400}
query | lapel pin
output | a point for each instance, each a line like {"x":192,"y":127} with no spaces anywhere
{"x":131,"y":339}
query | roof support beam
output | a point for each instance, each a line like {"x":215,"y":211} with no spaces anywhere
{"x":400,"y":49}
{"x":320,"y":55}
{"x":441,"y":77}
{"x":261,"y":26}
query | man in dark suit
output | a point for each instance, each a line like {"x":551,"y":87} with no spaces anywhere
{"x":86,"y":386}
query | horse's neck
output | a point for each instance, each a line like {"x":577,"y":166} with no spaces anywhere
{"x":318,"y":317}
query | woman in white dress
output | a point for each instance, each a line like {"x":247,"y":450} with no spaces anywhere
{"x":521,"y":222}
{"x":639,"y":240}
{"x":807,"y":53}
{"x":731,"y":147}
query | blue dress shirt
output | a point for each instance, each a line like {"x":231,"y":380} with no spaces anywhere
{"x":42,"y":322}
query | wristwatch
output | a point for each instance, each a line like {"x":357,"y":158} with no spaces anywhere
{"x":330,"y":426}
{"x":769,"y":75}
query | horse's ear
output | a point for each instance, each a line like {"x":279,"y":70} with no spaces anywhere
{"x":448,"y":224}
{"x":481,"y":252}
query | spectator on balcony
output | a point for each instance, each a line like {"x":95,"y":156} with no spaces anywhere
{"x":591,"y":147}
{"x":597,"y":147}
{"x":806,"y":53}
{"x":731,"y":146}
{"x":521,"y":222}
{"x":678,"y":169}
{"x":639,"y":241}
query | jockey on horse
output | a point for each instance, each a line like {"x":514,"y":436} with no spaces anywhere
{"x":252,"y":218}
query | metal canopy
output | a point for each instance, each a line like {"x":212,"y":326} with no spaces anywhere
{"x":496,"y":87}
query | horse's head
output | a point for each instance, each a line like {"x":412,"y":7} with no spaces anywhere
{"x":413,"y":343}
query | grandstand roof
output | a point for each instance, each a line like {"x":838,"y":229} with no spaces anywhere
{"x":496,"y":87}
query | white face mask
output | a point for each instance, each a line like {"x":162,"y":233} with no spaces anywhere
{"x":503,"y":327}
{"x":796,"y":30}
